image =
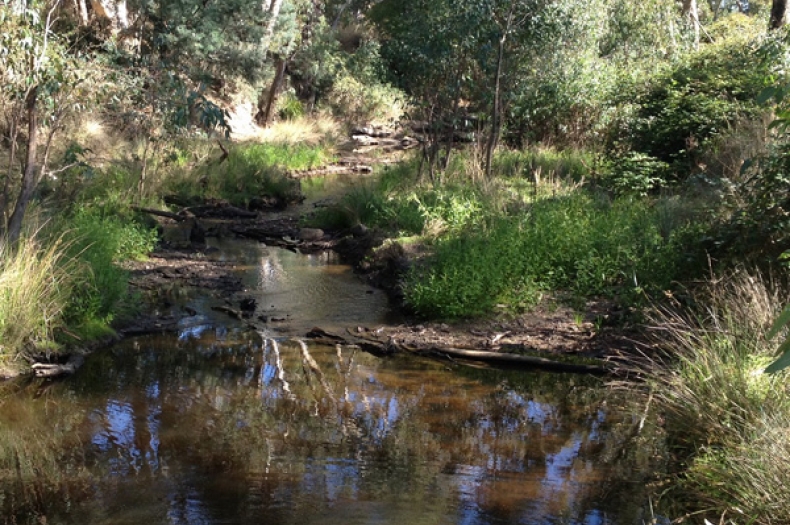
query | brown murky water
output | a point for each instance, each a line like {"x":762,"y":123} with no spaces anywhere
{"x":221,"y":426}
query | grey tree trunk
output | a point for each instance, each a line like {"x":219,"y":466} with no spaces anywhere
{"x":29,"y":176}
{"x":264,"y":115}
{"x":778,"y":14}
{"x":496,"y":110}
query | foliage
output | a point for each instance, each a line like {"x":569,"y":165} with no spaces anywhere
{"x":204,"y":40}
{"x":726,"y":420}
{"x":41,"y":85}
{"x":250,"y":171}
{"x":350,"y":83}
{"x":678,"y":111}
{"x":580,"y":243}
{"x":97,"y":242}
{"x":635,"y":173}
{"x":35,"y":285}
{"x":289,"y":107}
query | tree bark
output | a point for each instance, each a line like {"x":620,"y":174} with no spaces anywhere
{"x":81,"y":7}
{"x":114,"y":11}
{"x":29,"y":176}
{"x":691,"y":11}
{"x":778,"y":14}
{"x":264,"y":115}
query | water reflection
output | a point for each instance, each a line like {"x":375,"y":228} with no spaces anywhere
{"x":296,"y":292}
{"x":248,"y":430}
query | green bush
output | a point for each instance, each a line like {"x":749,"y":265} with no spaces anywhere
{"x":97,"y":242}
{"x":289,"y":107}
{"x":580,"y":243}
{"x":676,"y":112}
{"x":635,"y":173}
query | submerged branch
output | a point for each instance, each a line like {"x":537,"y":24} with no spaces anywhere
{"x":496,"y":358}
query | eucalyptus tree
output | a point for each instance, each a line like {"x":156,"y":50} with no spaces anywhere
{"x":457,"y":58}
{"x":41,"y":83}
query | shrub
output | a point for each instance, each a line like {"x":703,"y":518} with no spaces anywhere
{"x":578,"y":243}
{"x":96,"y":243}
{"x":358,"y":101}
{"x":680,"y":110}
{"x":635,"y":173}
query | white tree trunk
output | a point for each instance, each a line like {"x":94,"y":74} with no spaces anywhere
{"x":274,"y":12}
{"x":691,"y":11}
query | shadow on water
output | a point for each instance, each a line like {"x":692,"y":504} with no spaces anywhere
{"x":225,"y":426}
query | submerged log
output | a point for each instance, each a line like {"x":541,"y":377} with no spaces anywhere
{"x":73,"y":363}
{"x":491,"y":357}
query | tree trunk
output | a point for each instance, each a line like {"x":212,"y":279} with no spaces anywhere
{"x":113,"y":11}
{"x":264,"y":115}
{"x":274,"y":12}
{"x":691,"y":11}
{"x":29,"y":176}
{"x":495,"y":110}
{"x":5,"y":196}
{"x":778,"y":14}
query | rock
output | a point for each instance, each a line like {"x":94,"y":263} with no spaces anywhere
{"x":248,"y":304}
{"x":311,"y":234}
{"x":359,"y":230}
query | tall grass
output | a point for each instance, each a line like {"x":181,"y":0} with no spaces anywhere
{"x":250,"y":171}
{"x":35,"y":285}
{"x":727,"y":422}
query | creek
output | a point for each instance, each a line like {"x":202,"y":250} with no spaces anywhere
{"x":220,"y":425}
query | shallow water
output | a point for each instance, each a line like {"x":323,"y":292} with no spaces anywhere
{"x":220,"y":425}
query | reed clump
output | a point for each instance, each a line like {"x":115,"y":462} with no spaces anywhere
{"x":727,"y":421}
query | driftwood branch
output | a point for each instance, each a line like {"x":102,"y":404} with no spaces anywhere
{"x":160,"y":213}
{"x":228,"y":310}
{"x":57,"y":369}
{"x":491,"y":357}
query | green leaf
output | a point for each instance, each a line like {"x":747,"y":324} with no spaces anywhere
{"x":780,"y":364}
{"x":782,"y":321}
{"x":766,"y":95}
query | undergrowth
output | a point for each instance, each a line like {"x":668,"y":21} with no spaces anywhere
{"x":581,"y":243}
{"x":727,"y":422}
{"x":248,"y":172}
{"x":501,"y":243}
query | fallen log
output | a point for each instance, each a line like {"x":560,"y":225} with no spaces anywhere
{"x":391,"y":345}
{"x":176,"y":217}
{"x":515,"y":360}
{"x":228,"y":310}
{"x":73,"y":363}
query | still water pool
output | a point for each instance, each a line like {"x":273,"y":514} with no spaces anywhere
{"x":225,"y":426}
